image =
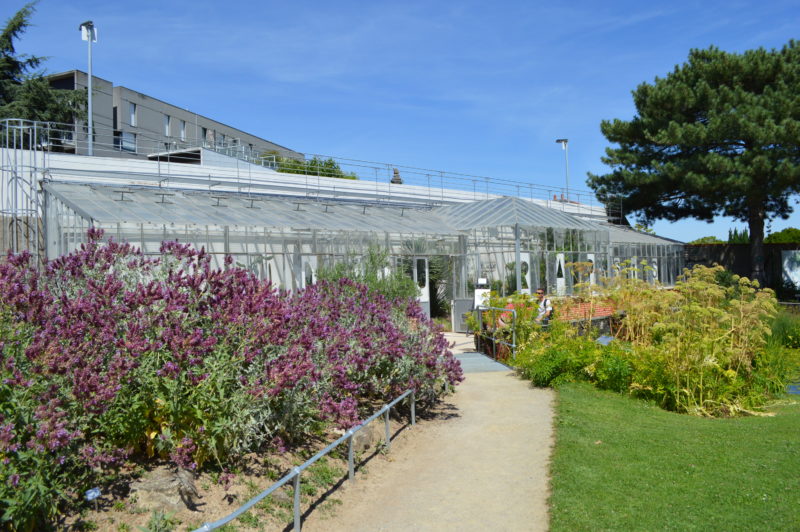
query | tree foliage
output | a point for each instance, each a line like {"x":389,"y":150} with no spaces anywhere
{"x":707,"y":240}
{"x":790,"y":235}
{"x":719,"y":135}
{"x":314,"y":166}
{"x":24,"y":92}
{"x":738,"y":237}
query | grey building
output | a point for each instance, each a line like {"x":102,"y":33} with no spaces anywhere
{"x":129,"y":123}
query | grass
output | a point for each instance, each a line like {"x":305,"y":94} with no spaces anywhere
{"x":623,"y":464}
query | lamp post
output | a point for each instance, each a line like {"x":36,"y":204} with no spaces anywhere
{"x":564,"y":143}
{"x":89,"y":34}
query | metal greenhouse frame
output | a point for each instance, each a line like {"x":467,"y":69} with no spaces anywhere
{"x":285,"y":227}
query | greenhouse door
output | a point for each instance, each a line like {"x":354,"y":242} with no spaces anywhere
{"x":420,"y":273}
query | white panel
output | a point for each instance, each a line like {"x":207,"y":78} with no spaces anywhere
{"x":561,"y":275}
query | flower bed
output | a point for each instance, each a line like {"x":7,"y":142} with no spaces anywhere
{"x":109,"y":355}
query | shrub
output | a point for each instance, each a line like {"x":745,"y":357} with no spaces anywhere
{"x":556,"y":355}
{"x":790,"y":235}
{"x":372,"y":270}
{"x":496,"y":322}
{"x":108,"y":354}
{"x":707,"y":240}
{"x":613,"y":371}
{"x":785,"y":330}
{"x":700,"y":348}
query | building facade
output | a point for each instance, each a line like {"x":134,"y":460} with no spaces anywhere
{"x":129,"y":123}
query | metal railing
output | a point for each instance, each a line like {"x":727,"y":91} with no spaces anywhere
{"x":54,"y":137}
{"x":488,"y":330}
{"x":479,"y":187}
{"x":32,"y":151}
{"x":294,"y":474}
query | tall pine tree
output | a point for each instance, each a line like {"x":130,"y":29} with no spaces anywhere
{"x":24,"y":92}
{"x":719,"y":135}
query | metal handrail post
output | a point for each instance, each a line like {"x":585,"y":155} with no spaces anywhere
{"x":514,"y":335}
{"x":351,"y":469}
{"x":297,"y":524}
{"x":388,"y":433}
{"x":413,"y":409}
{"x":493,"y":329}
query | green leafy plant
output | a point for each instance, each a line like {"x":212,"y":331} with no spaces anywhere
{"x":372,"y":270}
{"x":785,"y":330}
{"x":160,"y":522}
{"x":711,"y":346}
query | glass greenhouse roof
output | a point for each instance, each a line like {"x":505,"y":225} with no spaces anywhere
{"x":160,"y":206}
{"x":509,"y":211}
{"x":170,"y":206}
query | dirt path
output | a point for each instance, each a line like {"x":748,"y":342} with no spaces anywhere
{"x":482,"y":466}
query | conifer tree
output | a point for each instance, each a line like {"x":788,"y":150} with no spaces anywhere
{"x":24,"y":92}
{"x":719,"y":135}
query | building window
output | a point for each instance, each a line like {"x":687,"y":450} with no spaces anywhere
{"x":204,"y":135}
{"x":128,"y":142}
{"x":167,"y":122}
{"x":183,"y":129}
{"x":125,"y":141}
{"x":132,"y":110}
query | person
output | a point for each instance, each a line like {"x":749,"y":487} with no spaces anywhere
{"x":545,"y":308}
{"x":506,"y":318}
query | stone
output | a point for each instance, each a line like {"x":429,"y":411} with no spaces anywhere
{"x":166,"y":490}
{"x":281,"y":497}
{"x":368,"y":437}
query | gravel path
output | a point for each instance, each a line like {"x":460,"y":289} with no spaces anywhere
{"x":482,"y":465}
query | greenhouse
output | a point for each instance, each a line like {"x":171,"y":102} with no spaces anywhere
{"x":288,"y":240}
{"x":286,"y":227}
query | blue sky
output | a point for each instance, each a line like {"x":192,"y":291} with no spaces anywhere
{"x":472,"y":87}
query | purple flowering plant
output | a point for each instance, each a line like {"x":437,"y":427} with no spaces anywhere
{"x":107,"y":355}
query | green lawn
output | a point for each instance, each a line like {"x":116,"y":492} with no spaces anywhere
{"x":623,"y":464}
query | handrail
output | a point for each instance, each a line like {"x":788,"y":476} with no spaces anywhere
{"x":294,"y":474}
{"x":513,"y":345}
{"x":53,"y":136}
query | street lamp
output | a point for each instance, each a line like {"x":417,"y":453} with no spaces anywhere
{"x":564,"y":143}
{"x":89,"y":34}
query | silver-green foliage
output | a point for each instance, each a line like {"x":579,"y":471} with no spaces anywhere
{"x":372,"y":270}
